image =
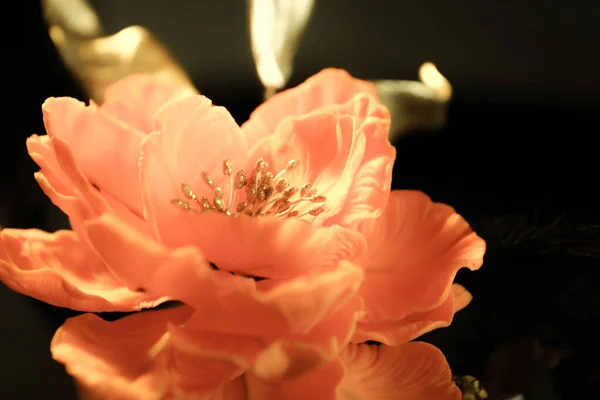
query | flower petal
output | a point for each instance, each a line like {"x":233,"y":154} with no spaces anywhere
{"x":207,"y":364}
{"x":95,"y":137}
{"x":223,"y":302}
{"x":343,"y":152}
{"x":462,"y":297}
{"x":128,"y":359}
{"x":269,"y":247}
{"x":40,"y":149}
{"x":414,"y":252}
{"x":63,"y":182}
{"x":293,"y":356}
{"x":136,"y":98}
{"x":393,"y":332}
{"x":60,"y":269}
{"x":320,"y":383}
{"x":330,"y":86}
{"x":85,"y":201}
{"x":413,"y":371}
{"x":195,"y":138}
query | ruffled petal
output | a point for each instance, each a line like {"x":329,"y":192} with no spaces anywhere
{"x":330,"y":86}
{"x":413,"y":371}
{"x":343,"y":152}
{"x":414,"y":252}
{"x":136,"y":358}
{"x":299,"y":354}
{"x":393,"y":332}
{"x":195,"y":138}
{"x":41,"y":151}
{"x":69,"y":189}
{"x":136,"y":98}
{"x":85,"y":200}
{"x":320,"y":383}
{"x":462,"y":297}
{"x":104,"y":149}
{"x":224,"y":303}
{"x":60,"y":269}
{"x":269,"y":247}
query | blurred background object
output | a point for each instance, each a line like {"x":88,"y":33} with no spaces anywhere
{"x":517,"y":158}
{"x":276,"y":28}
{"x":275,"y":31}
{"x":96,"y":60}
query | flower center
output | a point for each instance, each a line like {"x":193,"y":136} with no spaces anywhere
{"x":256,"y":194}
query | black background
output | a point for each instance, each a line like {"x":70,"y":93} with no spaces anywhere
{"x":518,"y":158}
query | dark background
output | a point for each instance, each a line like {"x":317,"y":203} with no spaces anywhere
{"x":518,"y":158}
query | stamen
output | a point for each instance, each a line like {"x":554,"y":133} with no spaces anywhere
{"x":262,"y":193}
{"x":291,"y":165}
{"x":227,"y":168}
{"x":208,"y":180}
{"x":240,"y":179}
{"x":187,"y":191}
{"x":227,"y":173}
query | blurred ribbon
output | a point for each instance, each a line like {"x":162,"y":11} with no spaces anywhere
{"x":275,"y":26}
{"x":95,"y":60}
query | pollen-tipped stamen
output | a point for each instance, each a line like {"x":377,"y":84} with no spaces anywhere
{"x":266,"y":194}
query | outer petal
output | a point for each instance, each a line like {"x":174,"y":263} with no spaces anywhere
{"x":398,"y":331}
{"x":413,"y":371}
{"x":61,"y":270}
{"x":68,"y":188}
{"x":321,"y":383}
{"x":105,"y":149}
{"x":300,"y":353}
{"x":330,"y":86}
{"x":136,"y":98}
{"x":462,"y":297}
{"x":195,"y":138}
{"x":82,"y":200}
{"x":128,"y":359}
{"x":414,"y":252}
{"x":343,"y":151}
{"x":224,"y":302}
{"x":42,"y":152}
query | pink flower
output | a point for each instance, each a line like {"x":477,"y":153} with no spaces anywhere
{"x":314,"y":256}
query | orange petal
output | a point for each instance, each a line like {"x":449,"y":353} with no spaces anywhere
{"x":462,"y":297}
{"x":413,"y":371}
{"x":40,"y":149}
{"x":224,"y":302}
{"x":77,"y":209}
{"x":135,"y":358}
{"x":60,"y":269}
{"x":105,"y":149}
{"x":330,"y":86}
{"x":343,"y":151}
{"x":414,"y":252}
{"x":73,"y":196}
{"x":320,"y":383}
{"x":195,"y":138}
{"x":398,"y":331}
{"x":269,"y":247}
{"x":136,"y":98}
{"x":205,"y":362}
{"x":293,"y":356}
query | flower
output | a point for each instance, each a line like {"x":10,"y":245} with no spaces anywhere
{"x":281,"y":237}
